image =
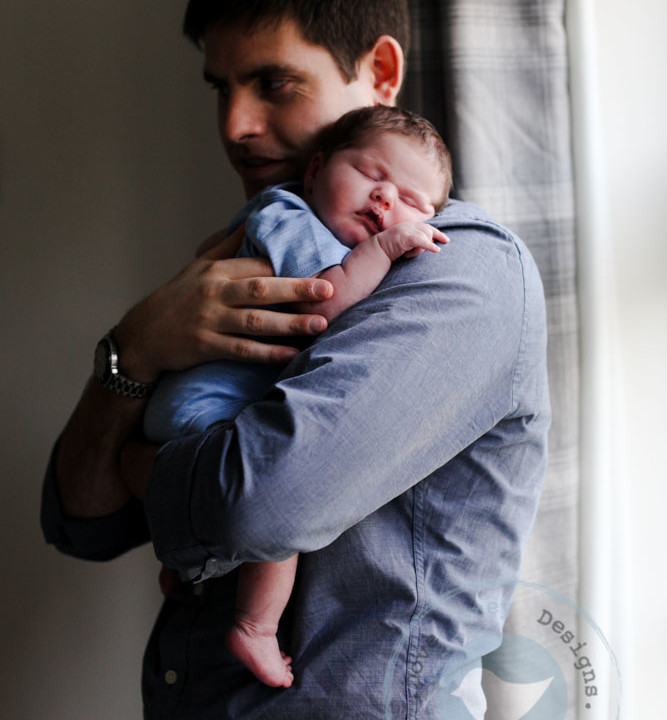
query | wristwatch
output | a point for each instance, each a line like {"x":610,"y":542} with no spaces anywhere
{"x":107,"y":374}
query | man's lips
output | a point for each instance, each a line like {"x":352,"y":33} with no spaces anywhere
{"x":257,"y":165}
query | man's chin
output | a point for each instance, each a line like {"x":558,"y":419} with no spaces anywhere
{"x":256,"y":179}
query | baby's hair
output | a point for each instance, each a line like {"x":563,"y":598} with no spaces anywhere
{"x":353,"y":128}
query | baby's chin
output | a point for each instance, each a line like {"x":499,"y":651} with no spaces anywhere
{"x":351,"y":242}
{"x":351,"y":237}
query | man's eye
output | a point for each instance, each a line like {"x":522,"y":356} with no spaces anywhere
{"x":220,"y":88}
{"x":274,"y":85}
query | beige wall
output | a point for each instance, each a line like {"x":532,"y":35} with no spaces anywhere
{"x":110,"y":174}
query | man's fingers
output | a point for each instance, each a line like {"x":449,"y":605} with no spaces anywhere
{"x":269,"y":290}
{"x":249,"y":350}
{"x":256,"y":321}
{"x":259,"y":352}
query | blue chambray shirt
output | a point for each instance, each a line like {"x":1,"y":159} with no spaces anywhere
{"x":402,"y":454}
{"x":280,"y":226}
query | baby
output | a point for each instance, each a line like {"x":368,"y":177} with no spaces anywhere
{"x":380,"y":173}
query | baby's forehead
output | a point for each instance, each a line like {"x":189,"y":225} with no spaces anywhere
{"x":374,"y":137}
{"x":371,"y":143}
{"x":406,"y":157}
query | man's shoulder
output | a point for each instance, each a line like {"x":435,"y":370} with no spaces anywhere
{"x":462,"y":215}
{"x":485,"y":267}
{"x":475,"y":231}
{"x":457,"y":211}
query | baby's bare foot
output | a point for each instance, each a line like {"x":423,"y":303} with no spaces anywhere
{"x":257,"y":648}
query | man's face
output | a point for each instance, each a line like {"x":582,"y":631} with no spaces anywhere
{"x":275,"y":91}
{"x":363,"y":190}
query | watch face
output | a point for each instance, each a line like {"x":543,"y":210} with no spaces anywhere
{"x":102,"y":364}
{"x":105,"y":368}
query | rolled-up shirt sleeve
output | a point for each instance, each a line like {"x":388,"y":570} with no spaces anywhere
{"x":102,"y":538}
{"x":447,"y":348}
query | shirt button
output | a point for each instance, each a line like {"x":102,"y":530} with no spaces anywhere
{"x":171,"y":677}
{"x":198,"y":589}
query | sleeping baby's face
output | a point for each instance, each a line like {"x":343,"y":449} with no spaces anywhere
{"x":362,"y":190}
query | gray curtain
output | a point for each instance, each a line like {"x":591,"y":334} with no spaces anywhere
{"x":492,"y":75}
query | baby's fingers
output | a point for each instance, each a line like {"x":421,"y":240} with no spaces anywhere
{"x":423,"y":242}
{"x":440,"y":236}
{"x":431,"y":238}
{"x":437,"y":235}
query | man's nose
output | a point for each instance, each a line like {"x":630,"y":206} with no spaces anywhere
{"x":241,"y":117}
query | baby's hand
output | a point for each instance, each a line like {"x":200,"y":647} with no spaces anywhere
{"x":410,"y":239}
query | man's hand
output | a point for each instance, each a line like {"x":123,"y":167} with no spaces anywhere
{"x":410,"y":239}
{"x":196,"y":317}
{"x":202,"y":313}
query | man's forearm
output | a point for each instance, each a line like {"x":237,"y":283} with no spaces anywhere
{"x":87,"y":461}
{"x":199,"y":316}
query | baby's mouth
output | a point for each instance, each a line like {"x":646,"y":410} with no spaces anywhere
{"x":374,"y":219}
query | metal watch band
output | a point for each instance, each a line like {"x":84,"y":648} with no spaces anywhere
{"x":129,"y":388}
{"x":107,"y":374}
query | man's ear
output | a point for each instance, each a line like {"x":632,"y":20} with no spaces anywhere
{"x":314,"y":166}
{"x":386,"y":62}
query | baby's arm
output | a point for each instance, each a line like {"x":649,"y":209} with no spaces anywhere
{"x":365,"y":267}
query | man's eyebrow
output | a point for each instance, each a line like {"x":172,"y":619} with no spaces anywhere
{"x":268,"y":70}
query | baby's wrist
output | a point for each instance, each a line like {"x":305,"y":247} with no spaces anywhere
{"x":389,"y":249}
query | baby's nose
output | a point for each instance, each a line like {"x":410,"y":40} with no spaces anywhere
{"x":382,"y":197}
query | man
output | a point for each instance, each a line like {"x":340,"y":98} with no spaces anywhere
{"x":402,"y":452}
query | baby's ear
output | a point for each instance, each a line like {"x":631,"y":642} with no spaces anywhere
{"x":314,"y":167}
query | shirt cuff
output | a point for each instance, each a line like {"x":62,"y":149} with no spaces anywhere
{"x":167,"y":506}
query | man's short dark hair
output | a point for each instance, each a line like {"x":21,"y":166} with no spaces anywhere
{"x":353,"y":128}
{"x":346,"y":28}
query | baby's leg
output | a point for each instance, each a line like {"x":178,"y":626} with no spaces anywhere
{"x":262,"y":594}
